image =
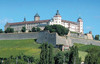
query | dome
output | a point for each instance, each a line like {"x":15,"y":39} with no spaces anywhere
{"x":36,"y":15}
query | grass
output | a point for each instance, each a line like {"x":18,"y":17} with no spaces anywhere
{"x":82,"y":54}
{"x":16,"y":47}
{"x":83,"y":48}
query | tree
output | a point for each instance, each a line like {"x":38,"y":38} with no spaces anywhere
{"x":1,"y":31}
{"x":46,"y":55}
{"x":42,"y":54}
{"x":59,"y":58}
{"x":51,"y":58}
{"x":91,"y":59}
{"x":9,"y":30}
{"x":96,"y":37}
{"x":61,"y":30}
{"x":23,"y":29}
{"x":33,"y":29}
{"x":74,"y":56}
{"x":38,"y":29}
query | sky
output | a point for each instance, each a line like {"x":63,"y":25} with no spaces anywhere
{"x":15,"y":11}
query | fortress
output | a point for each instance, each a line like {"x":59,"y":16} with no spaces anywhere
{"x":57,"y":19}
{"x":75,"y":34}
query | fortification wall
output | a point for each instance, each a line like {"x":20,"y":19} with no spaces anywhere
{"x":14,"y":36}
{"x":85,"y":41}
{"x":45,"y":36}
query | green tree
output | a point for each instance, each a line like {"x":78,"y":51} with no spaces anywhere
{"x":42,"y":54}
{"x":23,"y":29}
{"x":46,"y":55}
{"x":51,"y":58}
{"x":1,"y":31}
{"x":74,"y":56}
{"x":37,"y":29}
{"x":59,"y":58}
{"x":61,"y":30}
{"x":96,"y":37}
{"x":9,"y":30}
{"x":33,"y":29}
{"x":91,"y":59}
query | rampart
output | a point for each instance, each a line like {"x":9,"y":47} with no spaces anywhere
{"x":85,"y":41}
{"x":14,"y":36}
{"x":53,"y":38}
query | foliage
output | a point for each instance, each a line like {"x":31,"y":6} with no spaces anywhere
{"x":21,"y":59}
{"x":23,"y":29}
{"x":46,"y":55}
{"x":59,"y":58}
{"x":97,"y":37}
{"x":38,"y":29}
{"x":61,"y":30}
{"x":35,"y":29}
{"x":85,"y":49}
{"x":9,"y":30}
{"x":74,"y":56}
{"x":1,"y":31}
{"x":51,"y":58}
{"x":92,"y":57}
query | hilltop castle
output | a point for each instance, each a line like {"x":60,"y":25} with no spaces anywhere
{"x":57,"y":19}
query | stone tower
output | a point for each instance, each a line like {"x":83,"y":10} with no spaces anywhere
{"x":36,"y":17}
{"x":80,"y":22}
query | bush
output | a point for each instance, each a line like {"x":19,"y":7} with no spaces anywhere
{"x":35,"y":29}
{"x":23,"y":29}
{"x":9,"y":30}
{"x":1,"y":31}
{"x":61,"y":30}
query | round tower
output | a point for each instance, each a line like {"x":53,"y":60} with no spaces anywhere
{"x":80,"y":22}
{"x":36,"y":17}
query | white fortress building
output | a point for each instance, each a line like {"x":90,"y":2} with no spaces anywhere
{"x":57,"y":19}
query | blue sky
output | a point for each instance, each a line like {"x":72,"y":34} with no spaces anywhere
{"x":88,"y":10}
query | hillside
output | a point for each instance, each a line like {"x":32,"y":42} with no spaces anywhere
{"x":83,"y":49}
{"x":16,"y":47}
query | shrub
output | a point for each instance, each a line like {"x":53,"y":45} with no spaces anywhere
{"x":61,"y":30}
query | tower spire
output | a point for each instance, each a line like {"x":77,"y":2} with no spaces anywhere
{"x":57,"y":12}
{"x":24,"y":19}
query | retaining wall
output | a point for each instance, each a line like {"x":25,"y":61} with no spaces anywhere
{"x":14,"y":36}
{"x":85,"y":41}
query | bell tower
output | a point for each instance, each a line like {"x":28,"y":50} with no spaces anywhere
{"x":57,"y":18}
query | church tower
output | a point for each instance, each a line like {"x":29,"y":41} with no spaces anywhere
{"x":36,"y":17}
{"x":57,"y":18}
{"x":80,"y":22}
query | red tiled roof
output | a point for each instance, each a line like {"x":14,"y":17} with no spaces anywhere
{"x":40,"y":21}
{"x":69,"y":22}
{"x":28,"y":22}
{"x":57,"y":16}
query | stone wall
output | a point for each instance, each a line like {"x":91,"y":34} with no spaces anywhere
{"x":85,"y":41}
{"x":79,"y":35}
{"x":14,"y":36}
